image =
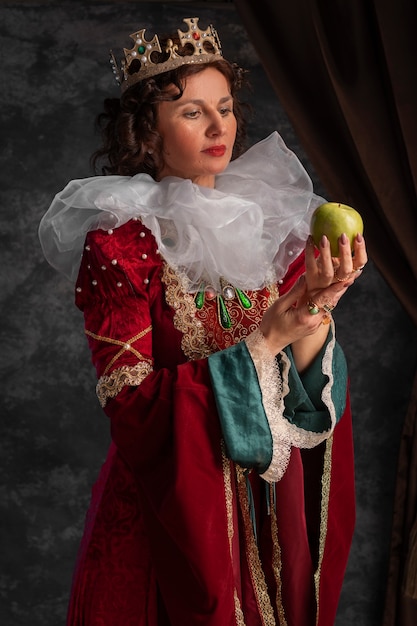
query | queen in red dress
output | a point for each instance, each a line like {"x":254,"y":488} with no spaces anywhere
{"x":227,"y":498}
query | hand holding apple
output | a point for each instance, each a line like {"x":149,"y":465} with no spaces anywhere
{"x":333,"y":219}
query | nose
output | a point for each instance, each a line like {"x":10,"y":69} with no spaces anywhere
{"x":217,"y":125}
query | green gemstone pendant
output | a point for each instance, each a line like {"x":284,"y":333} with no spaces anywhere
{"x":208,"y":292}
{"x":223,"y":315}
{"x":243,"y":299}
{"x":199,"y":298}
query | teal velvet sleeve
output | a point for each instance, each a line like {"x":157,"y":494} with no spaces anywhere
{"x":304,"y":405}
{"x":238,"y":396}
{"x":239,"y":402}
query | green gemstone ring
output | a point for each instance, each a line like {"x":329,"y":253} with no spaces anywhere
{"x":313,"y":309}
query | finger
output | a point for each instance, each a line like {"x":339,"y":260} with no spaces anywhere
{"x":310,"y":257}
{"x":360,"y":257}
{"x":345,"y":258}
{"x":297,"y":292}
{"x":356,"y":261}
{"x":315,"y":315}
{"x":326,"y":260}
{"x":326,"y":299}
{"x":284,"y":305}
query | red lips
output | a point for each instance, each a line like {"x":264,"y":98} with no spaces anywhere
{"x":217,"y":151}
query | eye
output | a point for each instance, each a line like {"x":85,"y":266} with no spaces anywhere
{"x":225,"y":111}
{"x":192,"y":114}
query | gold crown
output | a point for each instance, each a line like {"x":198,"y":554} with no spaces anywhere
{"x":195,"y":46}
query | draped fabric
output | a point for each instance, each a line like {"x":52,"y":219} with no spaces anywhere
{"x":345,"y":72}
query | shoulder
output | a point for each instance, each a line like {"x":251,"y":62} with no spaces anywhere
{"x":115,"y":261}
{"x":128,"y":239}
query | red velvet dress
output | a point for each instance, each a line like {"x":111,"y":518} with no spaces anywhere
{"x":177,"y":533}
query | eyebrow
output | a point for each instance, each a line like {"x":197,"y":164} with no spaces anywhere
{"x":202,"y":102}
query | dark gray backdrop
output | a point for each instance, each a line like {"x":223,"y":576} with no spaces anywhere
{"x":54,"y":76}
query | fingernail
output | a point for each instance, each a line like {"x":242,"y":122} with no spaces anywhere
{"x":310,"y":241}
{"x":343,"y":238}
{"x":359,"y":238}
{"x":324,"y":241}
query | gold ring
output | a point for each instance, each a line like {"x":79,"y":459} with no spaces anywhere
{"x":313,"y":309}
{"x":357,"y":269}
{"x":341,"y":280}
{"x":326,"y":319}
{"x":328,"y":308}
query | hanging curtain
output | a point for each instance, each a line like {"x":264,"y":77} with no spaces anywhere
{"x":346,"y":74}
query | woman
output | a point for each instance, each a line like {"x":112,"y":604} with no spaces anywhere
{"x":227,"y":494}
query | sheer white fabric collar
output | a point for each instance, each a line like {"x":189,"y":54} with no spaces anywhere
{"x":248,"y":229}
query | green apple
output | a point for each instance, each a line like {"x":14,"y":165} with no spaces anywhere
{"x":333,"y":219}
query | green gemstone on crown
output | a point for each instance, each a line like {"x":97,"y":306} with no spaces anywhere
{"x":141,"y":49}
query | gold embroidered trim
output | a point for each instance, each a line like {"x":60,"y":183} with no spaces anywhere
{"x":276,"y":557}
{"x":202,"y":332}
{"x":327,"y":368}
{"x":273,"y":294}
{"x":240,"y":620}
{"x":243,"y":321}
{"x":325,"y":497}
{"x":228,"y":494}
{"x":126,"y":345}
{"x":109,"y":386}
{"x":193,"y":342}
{"x":263,"y":600}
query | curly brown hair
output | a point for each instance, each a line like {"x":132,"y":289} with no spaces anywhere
{"x":131,"y":143}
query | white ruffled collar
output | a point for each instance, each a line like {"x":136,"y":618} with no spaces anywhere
{"x":248,"y":229}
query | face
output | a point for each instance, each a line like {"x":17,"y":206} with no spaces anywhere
{"x":198,"y":131}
